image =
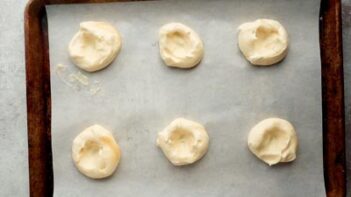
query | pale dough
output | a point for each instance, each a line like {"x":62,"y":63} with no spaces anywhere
{"x":183,"y":141}
{"x":180,"y":46}
{"x":95,"y":152}
{"x":95,"y":45}
{"x":273,"y":140}
{"x":263,"y":42}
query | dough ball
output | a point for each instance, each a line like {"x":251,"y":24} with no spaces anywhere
{"x":95,"y":46}
{"x":95,"y":152}
{"x":273,"y":140}
{"x":180,"y":46}
{"x":183,"y":141}
{"x":263,"y":42}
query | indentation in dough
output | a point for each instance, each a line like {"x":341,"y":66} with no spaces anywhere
{"x":183,"y":141}
{"x":273,"y":140}
{"x":263,"y":42}
{"x":180,"y":46}
{"x":90,"y":156}
{"x":95,"y":152}
{"x":95,"y":46}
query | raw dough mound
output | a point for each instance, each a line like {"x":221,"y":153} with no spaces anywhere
{"x":95,"y":46}
{"x":263,"y":42}
{"x":95,"y":152}
{"x":180,"y":46}
{"x":183,"y":141}
{"x":273,"y":140}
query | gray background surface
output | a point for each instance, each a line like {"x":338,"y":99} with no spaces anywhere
{"x":13,"y":136}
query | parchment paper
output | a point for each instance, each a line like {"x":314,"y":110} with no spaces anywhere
{"x":140,"y":96}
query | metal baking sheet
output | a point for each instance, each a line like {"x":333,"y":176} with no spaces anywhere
{"x":137,"y":96}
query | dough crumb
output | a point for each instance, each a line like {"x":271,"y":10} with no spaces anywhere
{"x":77,"y":80}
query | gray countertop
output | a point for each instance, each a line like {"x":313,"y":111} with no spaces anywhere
{"x":13,"y":129}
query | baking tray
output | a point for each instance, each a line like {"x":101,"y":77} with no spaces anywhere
{"x":39,"y":96}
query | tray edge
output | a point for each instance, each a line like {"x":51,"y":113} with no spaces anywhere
{"x":39,"y":97}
